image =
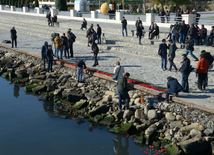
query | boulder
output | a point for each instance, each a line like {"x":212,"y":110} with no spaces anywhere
{"x":58,"y":91}
{"x":41,"y":77}
{"x":139,"y":113}
{"x":125,"y":129}
{"x":64,"y":76}
{"x":152,"y":129}
{"x":169,"y":116}
{"x":81,"y":104}
{"x":30,"y":87}
{"x":118,"y":115}
{"x":139,"y":139}
{"x":107,"y":98}
{"x":188,"y":128}
{"x":195,"y":132}
{"x":173,"y":149}
{"x":50,"y":87}
{"x":90,"y":95}
{"x":141,"y":127}
{"x":208,"y":132}
{"x":99,"y":110}
{"x":107,"y":120}
{"x":127,"y":114}
{"x":111,"y":93}
{"x":39,"y":88}
{"x":98,"y":118}
{"x":152,"y":114}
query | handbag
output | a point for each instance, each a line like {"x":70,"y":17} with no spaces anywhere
{"x":116,"y":75}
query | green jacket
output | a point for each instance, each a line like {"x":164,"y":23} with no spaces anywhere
{"x":172,"y":49}
{"x":122,"y":84}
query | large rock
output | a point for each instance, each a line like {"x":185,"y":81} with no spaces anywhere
{"x":41,"y":77}
{"x":99,"y":110}
{"x":118,"y":115}
{"x":127,"y":114}
{"x":90,"y":95}
{"x":81,"y":104}
{"x":169,"y":116}
{"x":39,"y":88}
{"x":151,"y":130}
{"x":195,"y":132}
{"x":108,"y":120}
{"x":194,"y":145}
{"x":110,"y":93}
{"x":107,"y":98}
{"x":208,"y":132}
{"x":98,"y":118}
{"x":188,"y":128}
{"x":139,"y":113}
{"x":58,"y":91}
{"x":64,"y":77}
{"x":152,"y":114}
{"x":125,"y":129}
{"x":141,"y":127}
{"x":29,"y":88}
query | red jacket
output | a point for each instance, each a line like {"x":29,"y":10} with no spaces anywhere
{"x":203,"y":66}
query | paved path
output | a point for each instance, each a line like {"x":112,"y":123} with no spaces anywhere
{"x":140,"y":60}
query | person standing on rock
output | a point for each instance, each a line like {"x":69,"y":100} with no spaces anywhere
{"x":50,"y":58}
{"x":162,"y":52}
{"x":95,"y":50}
{"x":189,"y":47}
{"x":185,"y":70}
{"x":173,"y":86}
{"x":172,"y":49}
{"x":118,"y":71}
{"x":140,"y":32}
{"x":201,"y":69}
{"x":44,"y":52}
{"x":65,"y":45}
{"x":13,"y":36}
{"x":124,"y":26}
{"x":137,"y":24}
{"x":72,"y":39}
{"x":99,"y":32}
{"x":80,"y":66}
{"x":58,"y":46}
{"x":123,"y":90}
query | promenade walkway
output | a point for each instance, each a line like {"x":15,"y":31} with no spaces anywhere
{"x":141,"y":61}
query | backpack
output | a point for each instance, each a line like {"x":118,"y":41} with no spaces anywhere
{"x":72,"y":37}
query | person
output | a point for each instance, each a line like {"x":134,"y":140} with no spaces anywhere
{"x":84,"y":24}
{"x":171,"y":55}
{"x":123,"y":90}
{"x":16,"y":91}
{"x":54,"y":19}
{"x":137,"y":24}
{"x":72,"y":39}
{"x":162,"y":52}
{"x":48,"y":16}
{"x":198,"y":35}
{"x":155,"y":32}
{"x":190,"y":48}
{"x":119,"y":149}
{"x":183,"y":30}
{"x":99,"y":32}
{"x":50,"y":58}
{"x":119,"y":70}
{"x":95,"y":50}
{"x":170,"y":32}
{"x":89,"y":34}
{"x":140,"y":32}
{"x":44,"y":52}
{"x":178,"y":16}
{"x":201,"y":69}
{"x":202,"y":34}
{"x":173,"y":86}
{"x":58,"y":46}
{"x":193,"y":32}
{"x":124,"y":26}
{"x":197,"y":16}
{"x":209,"y":58}
{"x":167,"y":16}
{"x":151,"y":29}
{"x":13,"y":36}
{"x":210,"y":37}
{"x":174,"y":34}
{"x":162,"y":15}
{"x":65,"y":45}
{"x":80,"y":66}
{"x":93,"y":35}
{"x":185,"y":71}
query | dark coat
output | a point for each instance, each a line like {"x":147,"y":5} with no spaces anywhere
{"x":99,"y":30}
{"x":162,"y":49}
{"x":208,"y":57}
{"x":137,"y":23}
{"x":190,"y":44}
{"x":95,"y":48}
{"x":140,"y":30}
{"x":151,"y":28}
{"x":13,"y":34}
{"x":49,"y":54}
{"x":212,"y":33}
{"x":192,"y":31}
{"x":185,"y":68}
{"x":72,"y":38}
{"x":84,"y":23}
{"x":81,"y":64}
{"x":156,"y":30}
{"x":65,"y":42}
{"x":203,"y":32}
{"x":124,"y":23}
{"x":173,"y":86}
{"x":183,"y":28}
{"x":122,"y":84}
{"x":44,"y":50}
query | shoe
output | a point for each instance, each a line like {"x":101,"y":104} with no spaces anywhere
{"x":166,"y":101}
{"x":176,"y":95}
{"x":94,"y":66}
{"x":164,"y":69}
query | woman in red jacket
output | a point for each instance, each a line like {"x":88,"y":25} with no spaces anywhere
{"x":201,"y":70}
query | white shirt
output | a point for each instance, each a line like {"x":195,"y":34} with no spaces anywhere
{"x":120,"y":74}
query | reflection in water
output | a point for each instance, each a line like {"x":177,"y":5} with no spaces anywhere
{"x":16,"y":91}
{"x":48,"y":107}
{"x":118,"y":147}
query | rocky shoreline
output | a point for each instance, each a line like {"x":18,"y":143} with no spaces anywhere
{"x":177,"y":128}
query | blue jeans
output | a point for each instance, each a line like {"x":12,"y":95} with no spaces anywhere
{"x":210,"y":41}
{"x":57,"y":51}
{"x":164,"y":61}
{"x":79,"y":74}
{"x":194,"y":41}
{"x":54,"y":49}
{"x":185,"y":83}
{"x":124,"y":28}
{"x":173,"y":38}
{"x":167,"y":95}
{"x":99,"y":39}
{"x":204,"y":38}
{"x":117,"y":88}
{"x":190,"y":52}
{"x":182,"y":38}
{"x":50,"y":63}
{"x":123,"y":94}
{"x":44,"y":58}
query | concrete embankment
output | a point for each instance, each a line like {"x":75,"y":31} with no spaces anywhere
{"x":179,"y":128}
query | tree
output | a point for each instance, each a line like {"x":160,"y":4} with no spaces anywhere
{"x":177,"y":3}
{"x":157,"y":2}
{"x":36,"y":3}
{"x":61,"y":5}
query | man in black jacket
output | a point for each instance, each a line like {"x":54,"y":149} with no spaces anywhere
{"x":124,"y":26}
{"x":162,"y":52}
{"x":13,"y":36}
{"x":155,"y":32}
{"x":80,"y":66}
{"x":72,"y":39}
{"x":95,"y":50}
{"x":140,"y":32}
{"x":49,"y":58}
{"x":183,"y":30}
{"x":202,"y":34}
{"x":99,"y":32}
{"x":185,"y":70}
{"x":65,"y":45}
{"x":189,"y":47}
{"x":44,"y":52}
{"x":151,"y":29}
{"x":137,"y":24}
{"x":193,"y":32}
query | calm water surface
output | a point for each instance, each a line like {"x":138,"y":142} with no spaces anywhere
{"x":27,"y":128}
